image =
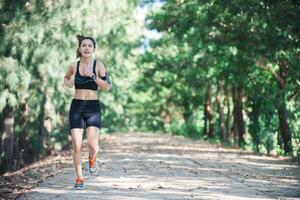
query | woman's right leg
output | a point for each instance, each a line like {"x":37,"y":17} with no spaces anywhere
{"x":77,"y":134}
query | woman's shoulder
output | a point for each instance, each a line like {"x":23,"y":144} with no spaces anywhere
{"x":100,"y":64}
{"x":72,"y":65}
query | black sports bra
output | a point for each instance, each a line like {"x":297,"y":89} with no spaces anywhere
{"x":84,"y":82}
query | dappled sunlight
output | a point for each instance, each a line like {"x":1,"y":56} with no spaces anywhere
{"x":148,"y":170}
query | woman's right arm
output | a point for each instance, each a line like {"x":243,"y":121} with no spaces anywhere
{"x":67,"y":79}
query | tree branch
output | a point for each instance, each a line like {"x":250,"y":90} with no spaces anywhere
{"x":263,"y":66}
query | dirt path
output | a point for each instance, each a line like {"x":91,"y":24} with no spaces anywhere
{"x":139,"y":166}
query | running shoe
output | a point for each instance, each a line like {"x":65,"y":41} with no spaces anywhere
{"x":93,"y":165}
{"x":79,"y":184}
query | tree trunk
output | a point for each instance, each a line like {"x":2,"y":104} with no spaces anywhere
{"x":254,"y":130}
{"x":284,"y":127}
{"x":234,"y":128}
{"x":227,"y":104}
{"x":22,"y":143}
{"x":205,"y":121}
{"x":8,"y":138}
{"x":239,"y":124}
{"x":220,"y":112}
{"x":208,"y":112}
{"x":187,"y":113}
{"x":205,"y":116}
{"x":41,"y":130}
{"x":286,"y":134}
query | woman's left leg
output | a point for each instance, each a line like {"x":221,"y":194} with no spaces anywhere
{"x":93,"y":140}
{"x":93,"y":124}
{"x":93,"y":148}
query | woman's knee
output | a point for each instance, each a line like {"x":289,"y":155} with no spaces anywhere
{"x":77,"y":148}
{"x":77,"y":140}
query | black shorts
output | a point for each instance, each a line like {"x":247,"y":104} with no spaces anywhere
{"x":85,"y":113}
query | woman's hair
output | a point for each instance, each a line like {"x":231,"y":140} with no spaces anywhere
{"x":79,"y":39}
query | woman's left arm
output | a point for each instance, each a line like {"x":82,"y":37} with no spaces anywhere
{"x":101,"y":72}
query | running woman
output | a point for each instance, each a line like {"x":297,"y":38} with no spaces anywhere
{"x":85,"y":111}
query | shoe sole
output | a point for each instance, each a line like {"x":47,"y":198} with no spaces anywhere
{"x":78,"y":188}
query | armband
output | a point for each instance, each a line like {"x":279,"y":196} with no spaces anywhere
{"x":106,"y":78}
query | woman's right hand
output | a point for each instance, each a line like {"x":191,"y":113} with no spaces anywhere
{"x":69,"y":83}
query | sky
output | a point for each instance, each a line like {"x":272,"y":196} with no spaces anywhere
{"x":148,"y":34}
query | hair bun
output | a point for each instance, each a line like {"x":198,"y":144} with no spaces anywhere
{"x":79,"y":37}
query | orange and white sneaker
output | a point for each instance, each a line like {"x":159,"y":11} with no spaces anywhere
{"x":79,"y":184}
{"x":93,"y":165}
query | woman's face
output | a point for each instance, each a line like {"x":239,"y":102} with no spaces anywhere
{"x":87,"y":48}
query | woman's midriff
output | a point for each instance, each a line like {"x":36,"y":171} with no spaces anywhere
{"x":85,"y":94}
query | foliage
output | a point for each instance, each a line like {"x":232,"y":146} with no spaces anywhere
{"x":38,"y":42}
{"x":253,"y":45}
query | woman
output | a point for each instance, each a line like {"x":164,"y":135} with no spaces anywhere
{"x":85,"y":111}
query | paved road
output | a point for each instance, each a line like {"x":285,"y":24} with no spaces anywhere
{"x":152,"y":167}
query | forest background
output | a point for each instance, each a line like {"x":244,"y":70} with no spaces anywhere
{"x":227,"y":72}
